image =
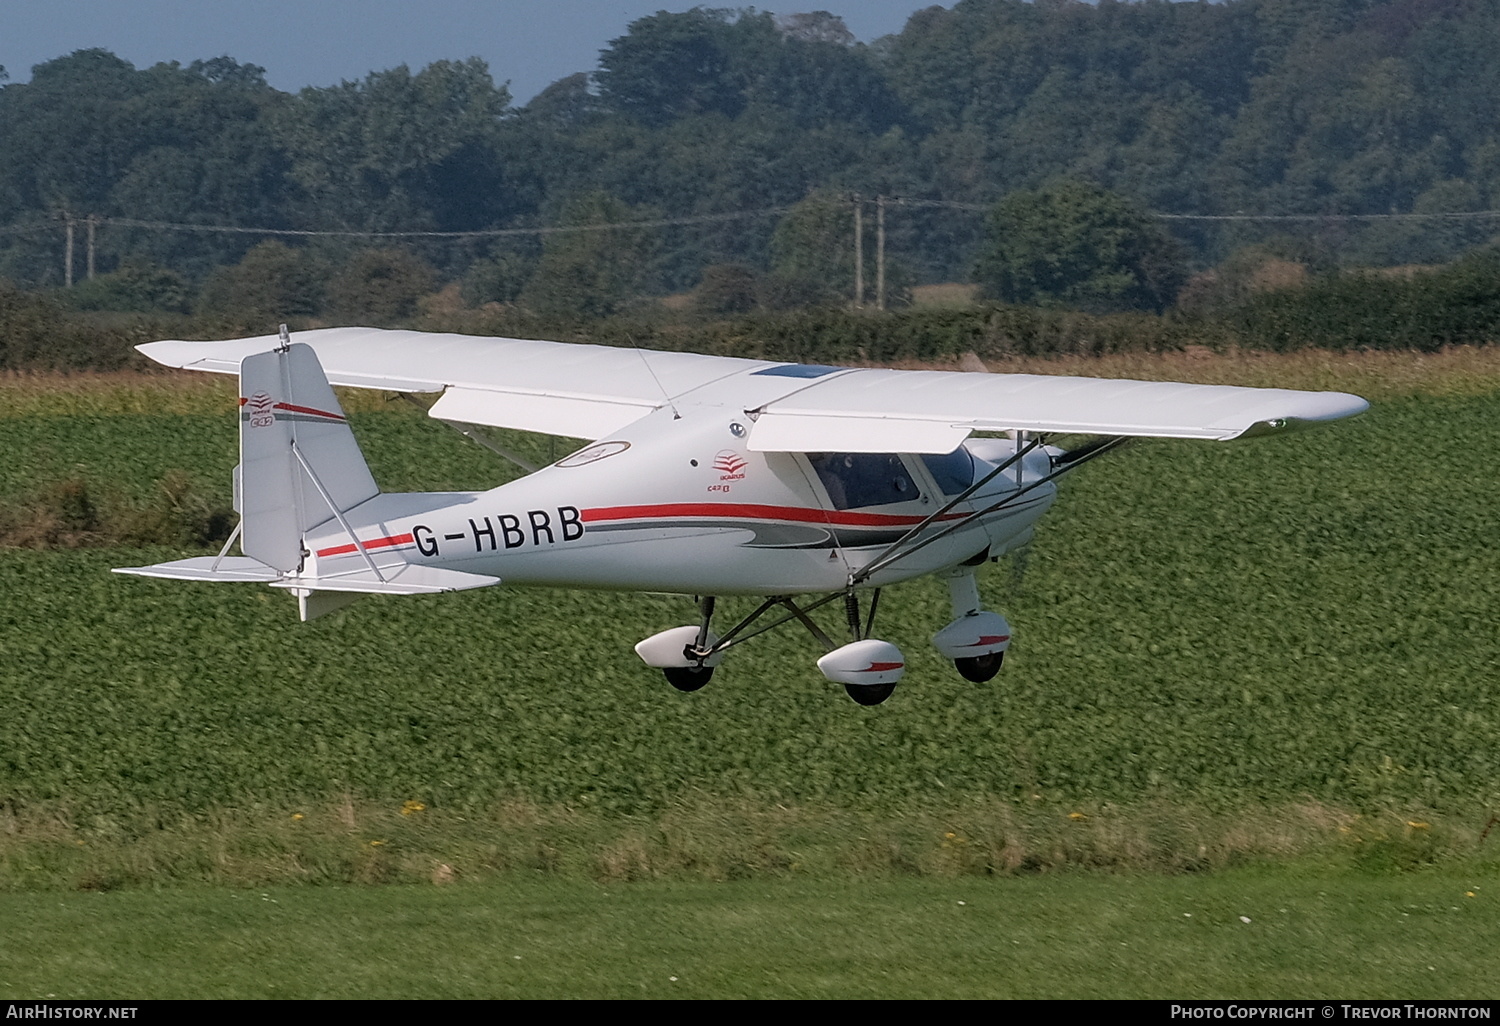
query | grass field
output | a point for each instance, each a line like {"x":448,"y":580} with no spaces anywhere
{"x":1279,"y":654}
{"x":1288,"y":620}
{"x":1236,"y":935}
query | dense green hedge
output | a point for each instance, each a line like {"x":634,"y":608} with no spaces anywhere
{"x":855,"y":336}
{"x":37,"y":333}
{"x":1458,"y":304}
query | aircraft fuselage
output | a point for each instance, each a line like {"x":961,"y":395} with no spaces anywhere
{"x":679,"y":503}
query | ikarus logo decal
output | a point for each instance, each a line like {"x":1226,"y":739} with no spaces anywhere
{"x":730,"y":466}
{"x":260,"y":408}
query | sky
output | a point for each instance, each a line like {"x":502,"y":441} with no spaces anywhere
{"x":531,"y":43}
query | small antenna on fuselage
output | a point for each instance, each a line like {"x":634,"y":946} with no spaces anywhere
{"x":665,"y":394}
{"x":286,"y":340}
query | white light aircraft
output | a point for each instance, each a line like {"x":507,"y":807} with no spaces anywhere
{"x":704,"y":475}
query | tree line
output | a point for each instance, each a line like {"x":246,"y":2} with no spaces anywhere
{"x":1066,"y":121}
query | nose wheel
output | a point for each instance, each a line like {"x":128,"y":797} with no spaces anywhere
{"x":979,"y":668}
{"x":687,"y":678}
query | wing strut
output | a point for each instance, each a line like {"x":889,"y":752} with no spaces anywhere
{"x":897,"y":552}
{"x":1020,"y":454}
{"x":473,"y":434}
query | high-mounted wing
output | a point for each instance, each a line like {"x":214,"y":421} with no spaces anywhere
{"x":557,"y":388}
{"x":934,"y":411}
{"x":592,"y":391}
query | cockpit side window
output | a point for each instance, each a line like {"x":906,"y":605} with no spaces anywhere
{"x":952,"y":471}
{"x":856,"y":479}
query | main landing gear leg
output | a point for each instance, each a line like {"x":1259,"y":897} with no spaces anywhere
{"x":976,"y":640}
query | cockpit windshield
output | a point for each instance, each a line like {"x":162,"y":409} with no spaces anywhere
{"x":952,"y":471}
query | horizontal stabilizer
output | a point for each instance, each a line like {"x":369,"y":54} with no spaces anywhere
{"x":401,"y":579}
{"x":203,"y":568}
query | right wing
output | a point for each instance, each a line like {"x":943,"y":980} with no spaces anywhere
{"x":875,"y":410}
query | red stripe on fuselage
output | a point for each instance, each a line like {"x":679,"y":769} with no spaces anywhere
{"x":754,"y":511}
{"x":374,"y":543}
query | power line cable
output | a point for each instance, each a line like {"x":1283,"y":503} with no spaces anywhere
{"x":485,"y":233}
{"x":663,"y":222}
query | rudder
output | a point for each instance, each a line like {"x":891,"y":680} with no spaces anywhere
{"x":300,"y":465}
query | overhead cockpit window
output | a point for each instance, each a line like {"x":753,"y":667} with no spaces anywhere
{"x":952,"y":471}
{"x":856,"y":479}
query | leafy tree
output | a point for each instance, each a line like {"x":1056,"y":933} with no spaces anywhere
{"x":92,"y":135}
{"x":726,"y":289}
{"x":399,"y":151}
{"x":498,"y":279}
{"x":1074,"y":244}
{"x":379,"y":287}
{"x":70,"y":131}
{"x":137,"y":287}
{"x":566,"y":104}
{"x":591,"y":272}
{"x":816,"y":27}
{"x":273,"y":283}
{"x":814,"y":246}
{"x":669,"y":65}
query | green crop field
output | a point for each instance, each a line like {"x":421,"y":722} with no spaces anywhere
{"x":1222,"y":650}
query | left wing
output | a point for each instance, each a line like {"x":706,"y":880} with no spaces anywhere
{"x":560,"y":388}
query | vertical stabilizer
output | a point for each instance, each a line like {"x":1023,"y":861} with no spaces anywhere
{"x":290,"y":421}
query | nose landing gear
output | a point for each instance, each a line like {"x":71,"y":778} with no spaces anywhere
{"x":685,"y":655}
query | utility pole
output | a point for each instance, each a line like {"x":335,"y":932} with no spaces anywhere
{"x":859,"y":251}
{"x":92,"y":222}
{"x":68,"y":251}
{"x":879,"y":252}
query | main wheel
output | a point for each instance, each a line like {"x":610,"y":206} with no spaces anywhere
{"x":869,"y":694}
{"x":980,"y":668}
{"x":688,"y":678}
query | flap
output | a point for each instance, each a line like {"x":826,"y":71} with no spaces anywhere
{"x":557,"y":414}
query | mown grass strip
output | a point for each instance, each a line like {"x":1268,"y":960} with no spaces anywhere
{"x":1288,"y":933}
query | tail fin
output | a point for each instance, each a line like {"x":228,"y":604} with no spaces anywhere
{"x":300,"y":465}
